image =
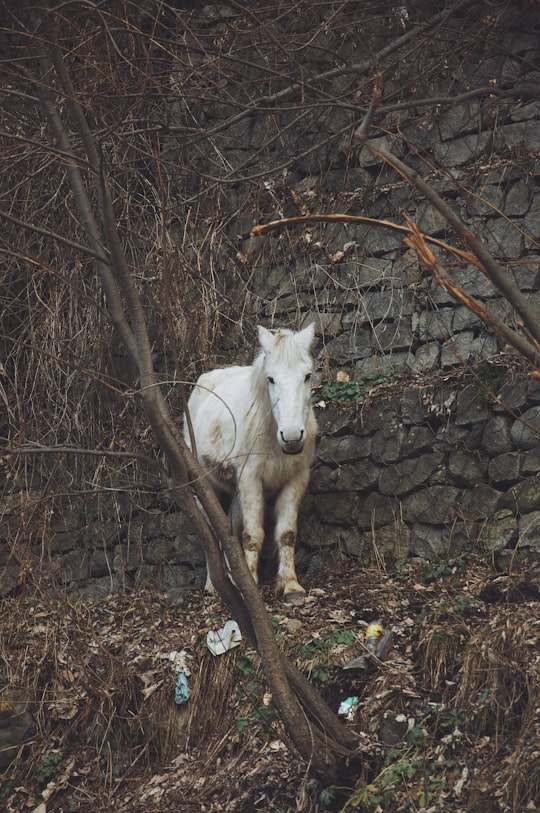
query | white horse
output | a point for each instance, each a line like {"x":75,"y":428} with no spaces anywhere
{"x":254,"y":432}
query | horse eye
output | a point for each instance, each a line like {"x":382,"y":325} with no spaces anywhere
{"x":270,"y":379}
{"x":307,"y":378}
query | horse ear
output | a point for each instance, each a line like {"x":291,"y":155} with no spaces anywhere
{"x":266,"y":339}
{"x":308,"y":334}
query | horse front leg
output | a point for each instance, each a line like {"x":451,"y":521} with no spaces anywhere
{"x":286,"y":521}
{"x":251,"y":502}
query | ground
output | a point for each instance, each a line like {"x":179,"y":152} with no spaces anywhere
{"x":449,"y":721}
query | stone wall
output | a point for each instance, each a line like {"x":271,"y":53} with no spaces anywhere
{"x":428,"y":471}
{"x":432,"y":462}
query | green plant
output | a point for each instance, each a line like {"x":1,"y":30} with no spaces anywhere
{"x":352,"y":391}
{"x":328,"y":796}
{"x":416,"y":735}
{"x":246,"y":665}
{"x":453,"y":718}
{"x":261,"y":712}
{"x":463,"y":602}
{"x":444,"y":567}
{"x":317,"y":652}
{"x":380,"y":792}
{"x":46,"y":769}
{"x":433,"y":785}
{"x":6,"y":788}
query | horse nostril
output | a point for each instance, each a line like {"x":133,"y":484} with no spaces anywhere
{"x":299,"y":439}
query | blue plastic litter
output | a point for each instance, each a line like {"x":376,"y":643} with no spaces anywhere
{"x":181,"y":690}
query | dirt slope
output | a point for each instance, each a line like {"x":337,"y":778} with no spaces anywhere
{"x":449,"y":722}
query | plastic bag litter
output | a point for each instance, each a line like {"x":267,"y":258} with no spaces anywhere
{"x":219,"y":641}
{"x":347,"y":707}
{"x":181,"y":689}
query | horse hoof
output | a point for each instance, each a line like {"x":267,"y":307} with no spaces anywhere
{"x":295,"y":597}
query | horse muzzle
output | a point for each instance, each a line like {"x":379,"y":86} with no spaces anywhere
{"x":292,"y":447}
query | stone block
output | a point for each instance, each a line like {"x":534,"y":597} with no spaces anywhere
{"x":518,"y":199}
{"x":527,"y":277}
{"x":524,"y":497}
{"x":335,"y":508}
{"x":348,"y":348}
{"x":390,"y":336}
{"x":457,"y":349}
{"x":413,"y":409}
{"x":513,"y":395}
{"x":159,"y":551}
{"x":454,"y":119}
{"x":464,"y":319}
{"x":63,"y":541}
{"x":426,"y":358}
{"x":529,"y":531}
{"x":387,"y":444}
{"x":101,"y":563}
{"x":407,"y":475}
{"x":377,"y":510}
{"x":127,"y":557}
{"x":496,"y":436}
{"x":525,"y":134}
{"x":429,"y":542}
{"x":504,"y":470}
{"x":531,"y":461}
{"x":358,"y":477}
{"x":504,"y":238}
{"x":372,"y":271}
{"x":433,"y":324}
{"x":346,"y":449}
{"x":335,"y":422}
{"x":419,"y":440}
{"x":525,"y":431}
{"x":434,"y":505}
{"x":470,"y":408}
{"x":479,"y":503}
{"x":462,"y":150}
{"x":99,"y":589}
{"x":467,"y":468}
{"x":499,"y":533}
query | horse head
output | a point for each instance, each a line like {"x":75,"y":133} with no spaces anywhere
{"x":288,"y":367}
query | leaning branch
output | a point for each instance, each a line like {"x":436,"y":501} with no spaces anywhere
{"x":416,"y":240}
{"x":317,"y":734}
{"x":490,"y":267}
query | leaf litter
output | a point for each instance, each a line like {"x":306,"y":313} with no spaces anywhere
{"x":450,"y":720}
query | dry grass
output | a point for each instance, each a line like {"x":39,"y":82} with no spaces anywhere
{"x":99,"y":686}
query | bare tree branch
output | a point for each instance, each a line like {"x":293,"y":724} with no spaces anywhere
{"x":276,"y":225}
{"x":417,"y":241}
{"x":485,"y":261}
{"x":317,"y":734}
